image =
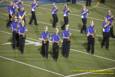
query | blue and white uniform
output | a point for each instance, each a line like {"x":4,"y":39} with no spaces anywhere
{"x":66,"y":43}
{"x":66,"y":12}
{"x":55,"y":38}
{"x":55,"y":46}
{"x":22,"y":29}
{"x":90,"y":39}
{"x":20,"y":14}
{"x":106,"y":34}
{"x":110,"y":19}
{"x":33,"y":6}
{"x":66,"y":34}
{"x":66,"y":18}
{"x":45,"y":43}
{"x":11,"y":10}
{"x":84,"y":13}
{"x":107,"y":28}
{"x":54,"y":16}
{"x":45,"y":35}
{"x":54,"y":10}
{"x":90,"y":30}
{"x":22,"y":36}
{"x":14,"y":28}
{"x":33,"y":15}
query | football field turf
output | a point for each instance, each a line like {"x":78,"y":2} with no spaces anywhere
{"x":79,"y":63}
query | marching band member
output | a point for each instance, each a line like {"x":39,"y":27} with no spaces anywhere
{"x":66,"y":42}
{"x":22,"y":36}
{"x":91,"y":38}
{"x":33,"y":14}
{"x":55,"y":44}
{"x":66,"y":12}
{"x":11,"y":11}
{"x":110,"y":18}
{"x":106,"y":34}
{"x":45,"y":42}
{"x":84,"y":15}
{"x":54,"y":15}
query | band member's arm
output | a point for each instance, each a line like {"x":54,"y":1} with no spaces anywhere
{"x":106,"y":24}
{"x":112,"y":17}
{"x":85,"y":12}
{"x":23,"y":15}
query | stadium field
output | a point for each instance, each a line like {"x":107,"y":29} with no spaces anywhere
{"x":79,"y":64}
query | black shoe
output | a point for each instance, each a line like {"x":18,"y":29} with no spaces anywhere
{"x":36,"y":24}
{"x":113,"y":36}
{"x":88,"y":50}
{"x":101,"y":46}
{"x":107,"y":48}
{"x":92,"y":53}
{"x":61,"y":28}
{"x":81,"y":32}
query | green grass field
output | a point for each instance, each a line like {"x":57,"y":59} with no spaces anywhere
{"x":79,"y":63}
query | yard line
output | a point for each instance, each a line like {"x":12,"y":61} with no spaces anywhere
{"x":101,"y":57}
{"x":102,"y":7}
{"x":105,"y":8}
{"x":88,"y":17}
{"x":32,"y":66}
{"x":93,"y":55}
{"x":8,"y":43}
{"x":85,"y":73}
{"x":29,"y":42}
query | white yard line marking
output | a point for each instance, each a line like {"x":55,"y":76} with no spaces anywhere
{"x":30,"y":65}
{"x":33,"y":43}
{"x":102,"y":7}
{"x":29,"y":42}
{"x":101,"y":57}
{"x":93,"y":55}
{"x":8,"y":43}
{"x":105,"y":8}
{"x":85,"y":73}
